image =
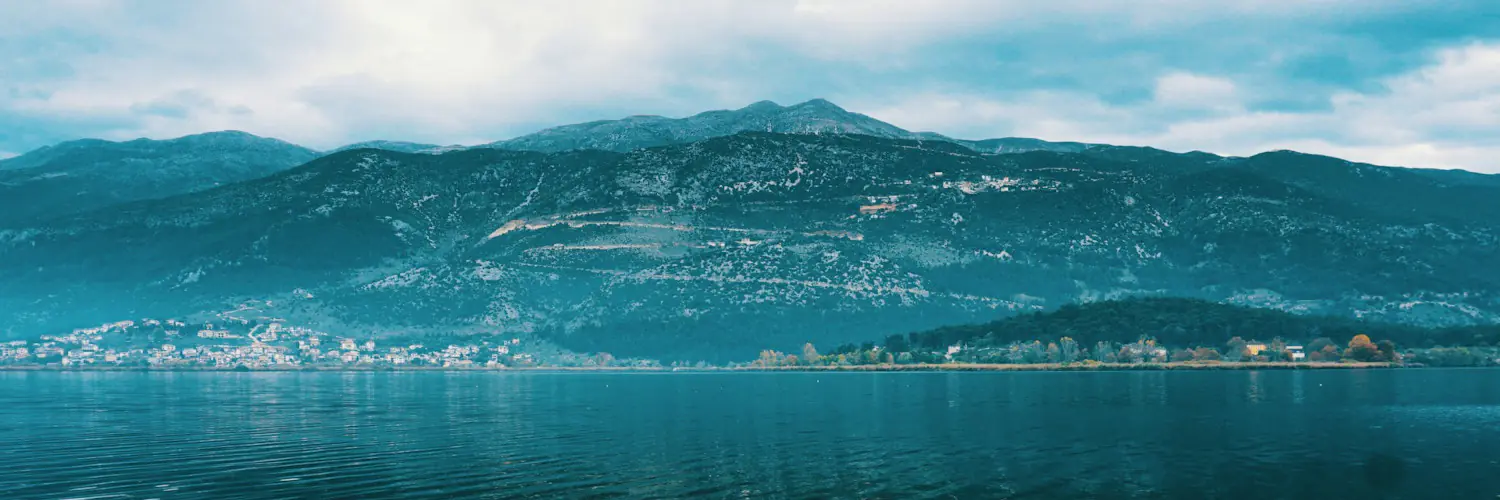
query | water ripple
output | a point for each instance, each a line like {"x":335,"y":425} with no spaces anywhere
{"x":484,"y":435}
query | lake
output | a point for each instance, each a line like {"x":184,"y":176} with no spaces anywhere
{"x":1194,"y":435}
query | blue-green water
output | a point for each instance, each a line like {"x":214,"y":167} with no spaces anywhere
{"x":1199,"y":435}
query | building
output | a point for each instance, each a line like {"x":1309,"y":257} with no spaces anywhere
{"x":1297,"y":353}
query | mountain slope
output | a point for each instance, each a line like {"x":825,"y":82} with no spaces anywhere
{"x":719,"y":248}
{"x":77,"y":176}
{"x":817,"y":116}
{"x":398,"y":146}
{"x":1178,"y":323}
{"x":811,"y":117}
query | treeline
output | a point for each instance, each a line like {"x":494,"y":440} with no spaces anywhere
{"x":1159,"y":330}
{"x":1145,"y":349}
{"x":1188,"y":322}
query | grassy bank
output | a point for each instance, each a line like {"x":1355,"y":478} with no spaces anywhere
{"x":945,"y":367}
{"x":1188,"y":365}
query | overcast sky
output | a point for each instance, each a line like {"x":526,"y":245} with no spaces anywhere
{"x":1414,"y":82}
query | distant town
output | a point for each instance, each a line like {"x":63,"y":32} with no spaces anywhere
{"x":172,"y":344}
{"x":248,"y":345}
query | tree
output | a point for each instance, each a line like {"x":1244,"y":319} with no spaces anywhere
{"x":1237,"y":350}
{"x":904,"y":359}
{"x":1388,"y":351}
{"x":1361,"y":349}
{"x":809,"y":354}
{"x":1069,"y":348}
{"x":1104,"y":351}
{"x":1033,"y":352}
{"x":604,"y":359}
{"x":1181,"y":355}
{"x":1277,"y":351}
{"x":768,"y":358}
{"x":1054,"y":353}
{"x":1207,"y":354}
{"x":896,"y":343}
{"x":791,"y":360}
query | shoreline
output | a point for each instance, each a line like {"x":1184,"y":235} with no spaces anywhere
{"x":943,"y":367}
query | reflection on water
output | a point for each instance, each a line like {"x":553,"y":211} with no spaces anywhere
{"x":1275,"y":434}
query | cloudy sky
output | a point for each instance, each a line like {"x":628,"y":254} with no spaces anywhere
{"x":1409,"y":82}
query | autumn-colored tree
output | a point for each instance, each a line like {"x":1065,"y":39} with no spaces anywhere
{"x":1361,"y":349}
{"x":887,"y":358}
{"x":1126,"y":355}
{"x":604,"y":359}
{"x":791,"y":360}
{"x":1329,"y":352}
{"x":1207,"y":354}
{"x":905,"y":359}
{"x":1182,"y":355}
{"x":1054,"y":353}
{"x":809,"y":353}
{"x":768,"y":358}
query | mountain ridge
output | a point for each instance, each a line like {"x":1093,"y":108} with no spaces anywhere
{"x":737,"y":243}
{"x":86,"y":174}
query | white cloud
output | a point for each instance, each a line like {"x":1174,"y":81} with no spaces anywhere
{"x":1188,"y":91}
{"x":1443,"y":115}
{"x":8,"y":154}
{"x":448,"y":71}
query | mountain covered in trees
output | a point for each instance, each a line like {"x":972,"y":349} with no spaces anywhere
{"x":78,"y":176}
{"x":723,"y":246}
{"x":1187,"y":323}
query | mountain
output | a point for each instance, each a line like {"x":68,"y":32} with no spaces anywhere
{"x":398,"y":146}
{"x":817,"y":116}
{"x":1019,"y":145}
{"x":1416,"y":195}
{"x":1189,"y":323}
{"x":77,"y":176}
{"x":719,"y":248}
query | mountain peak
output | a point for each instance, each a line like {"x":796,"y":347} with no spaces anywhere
{"x":815,"y":116}
{"x":819,"y":104}
{"x":224,"y":134}
{"x":762,"y":106}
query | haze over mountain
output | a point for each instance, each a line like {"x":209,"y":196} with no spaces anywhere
{"x":718,"y":247}
{"x":81,"y":175}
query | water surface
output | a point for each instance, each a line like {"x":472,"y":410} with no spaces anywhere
{"x":1197,"y":435}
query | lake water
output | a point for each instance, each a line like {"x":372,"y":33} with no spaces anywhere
{"x":1192,"y":435}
